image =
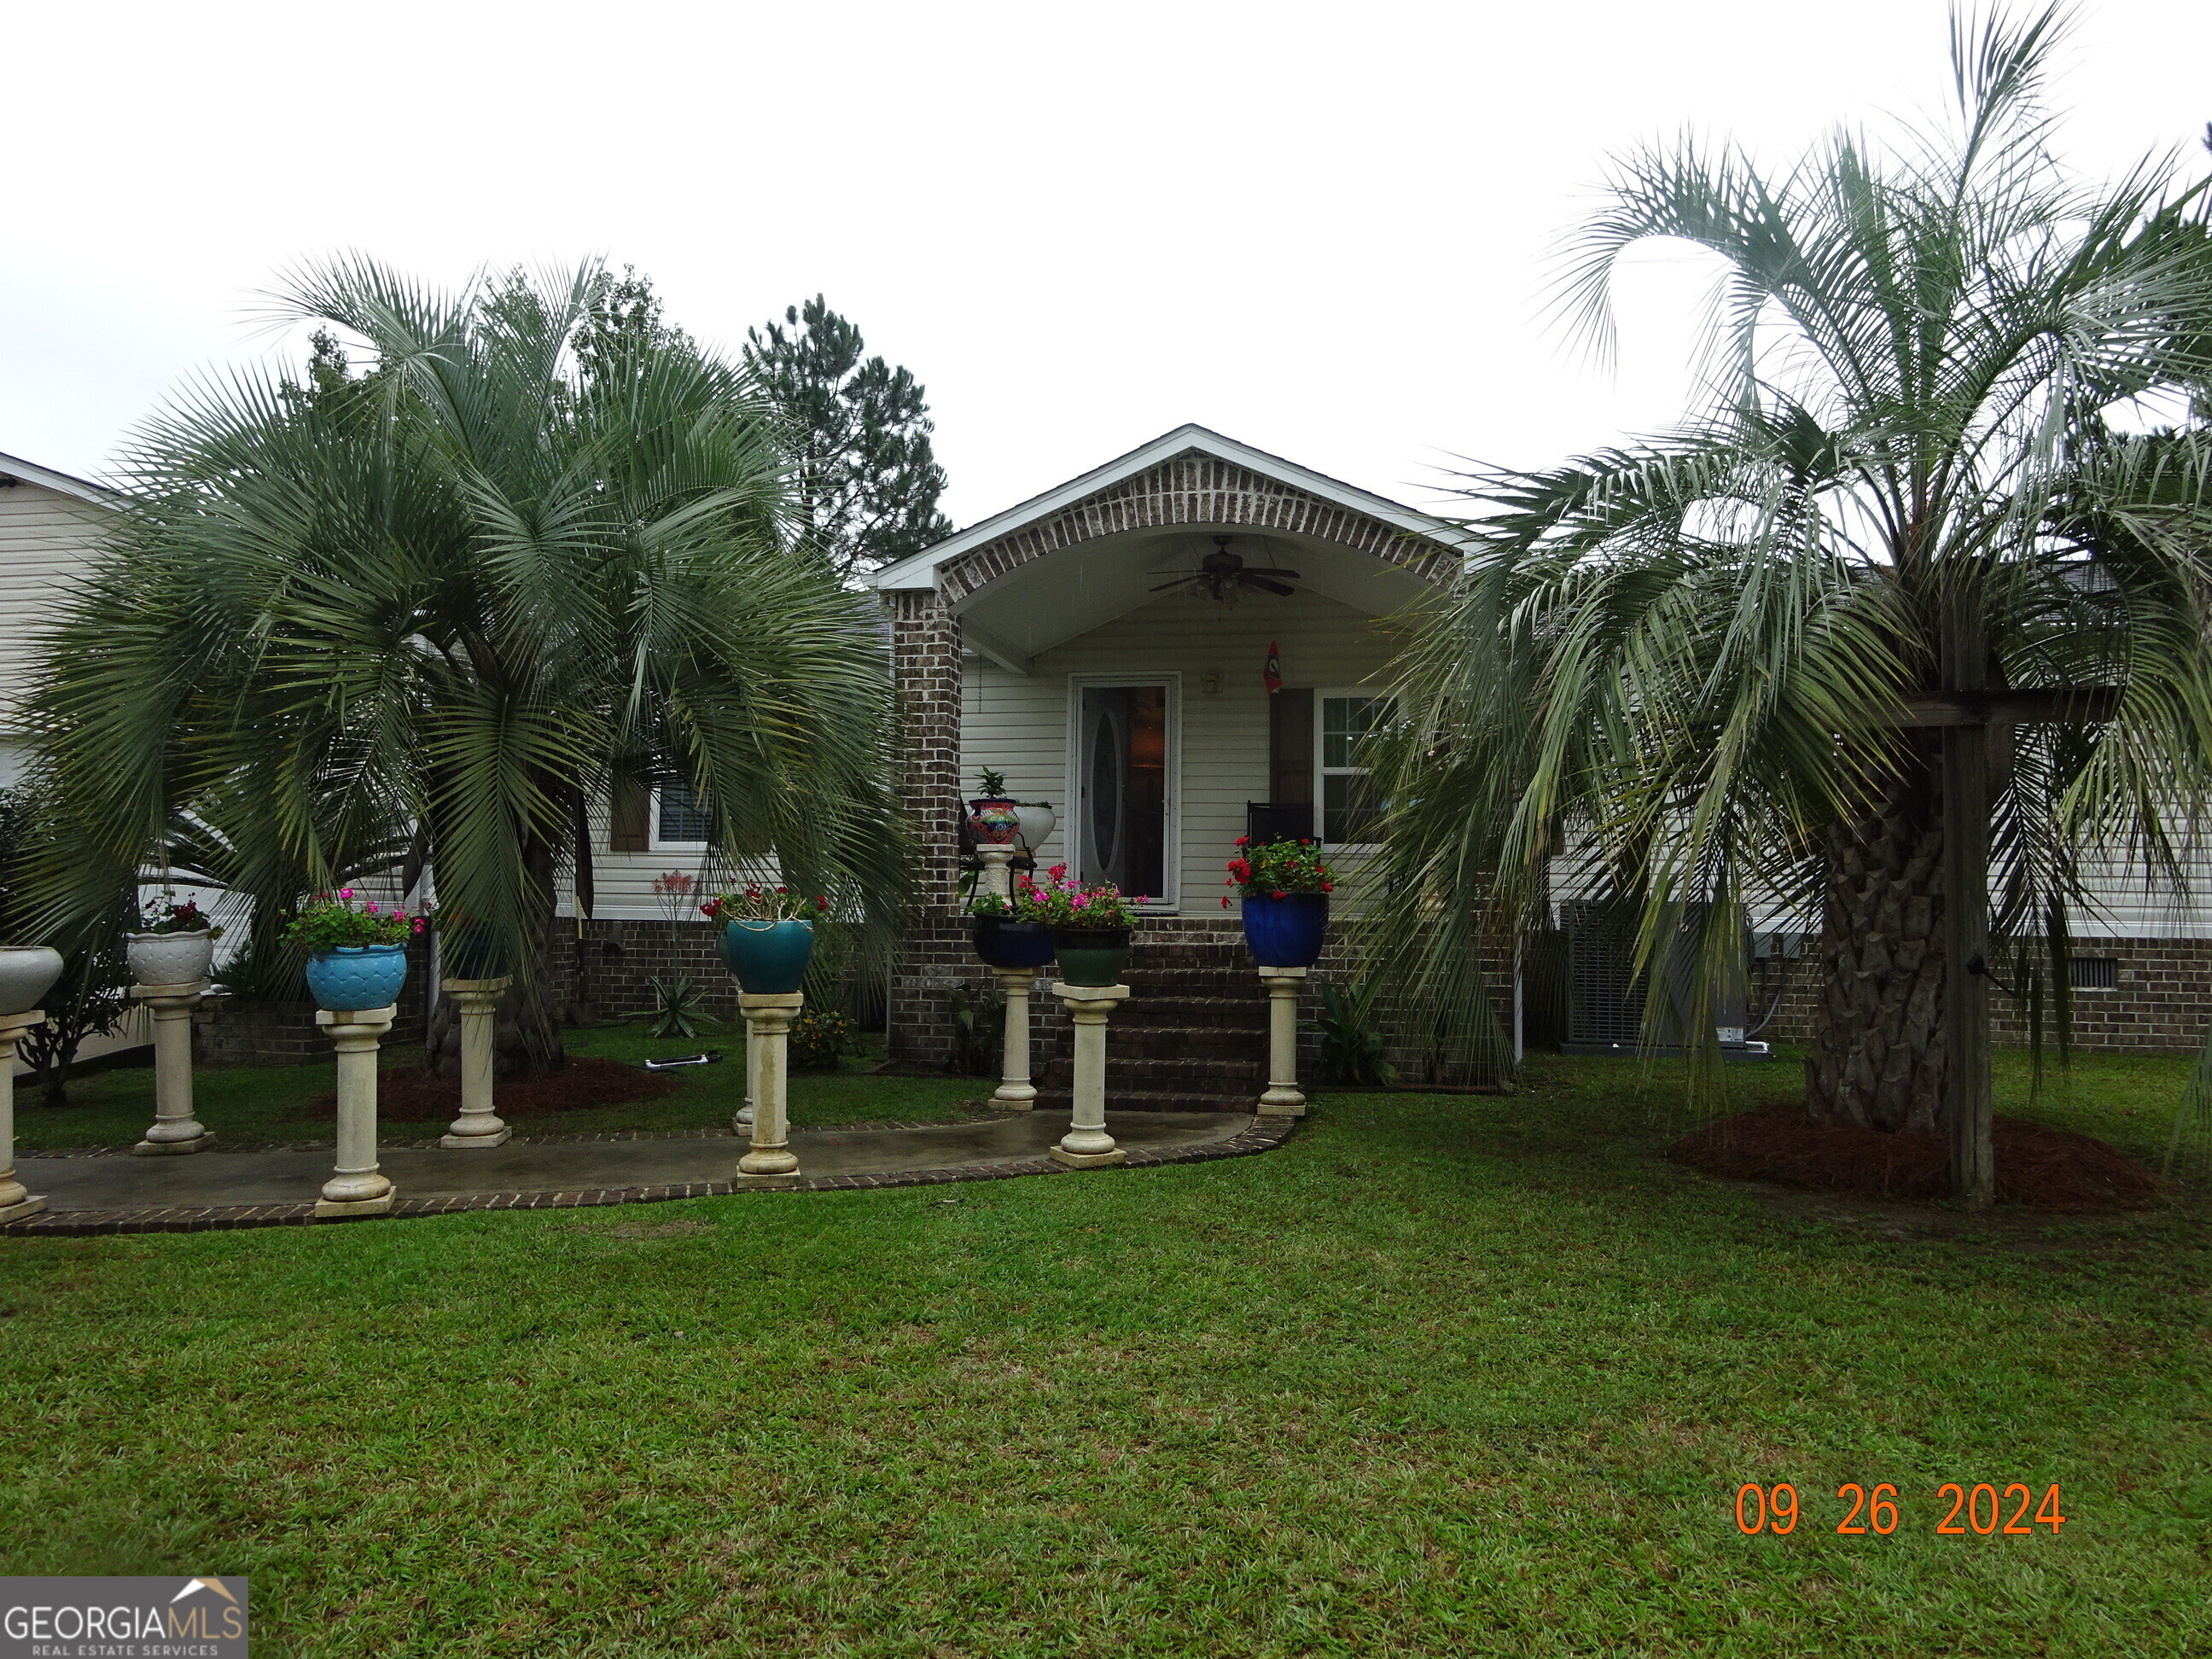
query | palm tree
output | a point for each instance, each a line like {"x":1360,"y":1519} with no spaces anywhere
{"x":471,"y":592}
{"x":1896,"y":621}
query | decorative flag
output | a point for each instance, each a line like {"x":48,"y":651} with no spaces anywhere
{"x":1273,"y":674}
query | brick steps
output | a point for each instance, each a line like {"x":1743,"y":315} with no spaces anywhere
{"x":1192,"y":1037}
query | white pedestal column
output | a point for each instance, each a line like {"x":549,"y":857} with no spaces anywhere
{"x":1016,"y":1093}
{"x":771,"y":1163}
{"x":1284,"y":1098}
{"x":356,"y":1187}
{"x":175,"y":1129}
{"x":16,"y":1201}
{"x":998,"y":876}
{"x":1086,"y":1144}
{"x":478,"y":1125}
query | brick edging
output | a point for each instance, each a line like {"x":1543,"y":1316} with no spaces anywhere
{"x":119,"y":1149}
{"x":1265,"y":1135}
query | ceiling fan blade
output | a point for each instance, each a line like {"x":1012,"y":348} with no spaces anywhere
{"x":1269,"y":583}
{"x":1269,"y":570}
{"x":1163,"y":586}
{"x":1164,"y":572}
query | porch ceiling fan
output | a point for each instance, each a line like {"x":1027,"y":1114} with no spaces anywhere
{"x":1224,"y":575}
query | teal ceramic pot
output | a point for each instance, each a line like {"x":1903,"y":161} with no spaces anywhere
{"x":1091,"y":955}
{"x":768,"y":957}
{"x":351,"y":977}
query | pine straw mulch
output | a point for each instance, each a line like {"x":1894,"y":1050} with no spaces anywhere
{"x":2038,"y":1166}
{"x":408,"y":1094}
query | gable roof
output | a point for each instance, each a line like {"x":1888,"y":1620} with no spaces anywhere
{"x":29,"y":473}
{"x":920,"y":569}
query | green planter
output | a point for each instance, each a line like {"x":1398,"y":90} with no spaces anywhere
{"x":1091,"y":955}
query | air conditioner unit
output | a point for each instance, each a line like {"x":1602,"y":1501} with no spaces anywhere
{"x":1607,"y":999}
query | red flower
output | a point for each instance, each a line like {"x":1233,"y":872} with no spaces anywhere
{"x":1329,"y":887}
{"x":821,"y":903}
{"x":1243,"y":841}
{"x":1057,"y":872}
{"x":706,"y":909}
{"x":1224,"y":904}
{"x":1279,"y":893}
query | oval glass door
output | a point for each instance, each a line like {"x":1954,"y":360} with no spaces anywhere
{"x":1123,"y":773}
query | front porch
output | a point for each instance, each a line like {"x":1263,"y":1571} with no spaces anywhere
{"x":1104,"y":648}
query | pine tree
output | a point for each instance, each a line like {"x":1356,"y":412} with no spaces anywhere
{"x":867,"y":481}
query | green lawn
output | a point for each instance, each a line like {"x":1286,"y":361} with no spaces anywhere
{"x":1441,"y":1375}
{"x":248,"y":1105}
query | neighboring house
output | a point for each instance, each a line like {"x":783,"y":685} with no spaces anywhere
{"x":51,"y":527}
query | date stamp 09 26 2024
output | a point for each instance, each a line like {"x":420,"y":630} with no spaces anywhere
{"x":1775,"y":1509}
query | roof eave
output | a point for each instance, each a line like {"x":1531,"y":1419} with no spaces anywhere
{"x":61,"y":483}
{"x":919,"y":570}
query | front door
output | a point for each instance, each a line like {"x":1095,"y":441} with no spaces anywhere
{"x":1123,"y":788}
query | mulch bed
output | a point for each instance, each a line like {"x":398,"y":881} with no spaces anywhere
{"x":408,"y":1095}
{"x":2044,"y":1168}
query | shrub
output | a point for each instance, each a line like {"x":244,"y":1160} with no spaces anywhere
{"x":820,"y":1038}
{"x":1352,"y":1047}
{"x":979,"y":1031}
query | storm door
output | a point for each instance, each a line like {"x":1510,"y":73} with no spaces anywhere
{"x":1123,"y":789}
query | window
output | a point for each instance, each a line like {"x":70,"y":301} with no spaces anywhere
{"x":1347,"y":802}
{"x":2093,"y":973}
{"x":678,"y":820}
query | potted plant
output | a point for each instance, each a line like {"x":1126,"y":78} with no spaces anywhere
{"x":357,"y":953}
{"x":994,"y":817}
{"x":1004,"y":939}
{"x":767,"y":937}
{"x":174,"y":943}
{"x":1285,"y":887}
{"x":1036,"y":818}
{"x":1091,"y":925}
{"x":27,"y":972}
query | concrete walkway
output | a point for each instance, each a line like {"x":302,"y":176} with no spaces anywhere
{"x":216,"y":1189}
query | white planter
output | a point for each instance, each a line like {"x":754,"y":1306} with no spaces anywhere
{"x":1037,"y":824}
{"x":27,"y":972}
{"x":169,"y":958}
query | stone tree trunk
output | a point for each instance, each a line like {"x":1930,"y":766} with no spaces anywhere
{"x":1879,"y":1057}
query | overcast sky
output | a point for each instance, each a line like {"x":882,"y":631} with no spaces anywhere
{"x":1321,"y":229}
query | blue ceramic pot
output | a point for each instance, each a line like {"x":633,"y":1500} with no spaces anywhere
{"x":768,"y":958}
{"x":1004,"y":943}
{"x":1286,"y":932}
{"x":350,"y":977}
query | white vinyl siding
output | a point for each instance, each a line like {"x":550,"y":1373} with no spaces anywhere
{"x":47,"y":542}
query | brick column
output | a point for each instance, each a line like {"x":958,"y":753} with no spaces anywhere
{"x":925,"y":666}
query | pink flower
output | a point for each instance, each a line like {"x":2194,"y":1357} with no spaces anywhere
{"x":370,"y":908}
{"x":345,"y":892}
{"x":1080,"y":901}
